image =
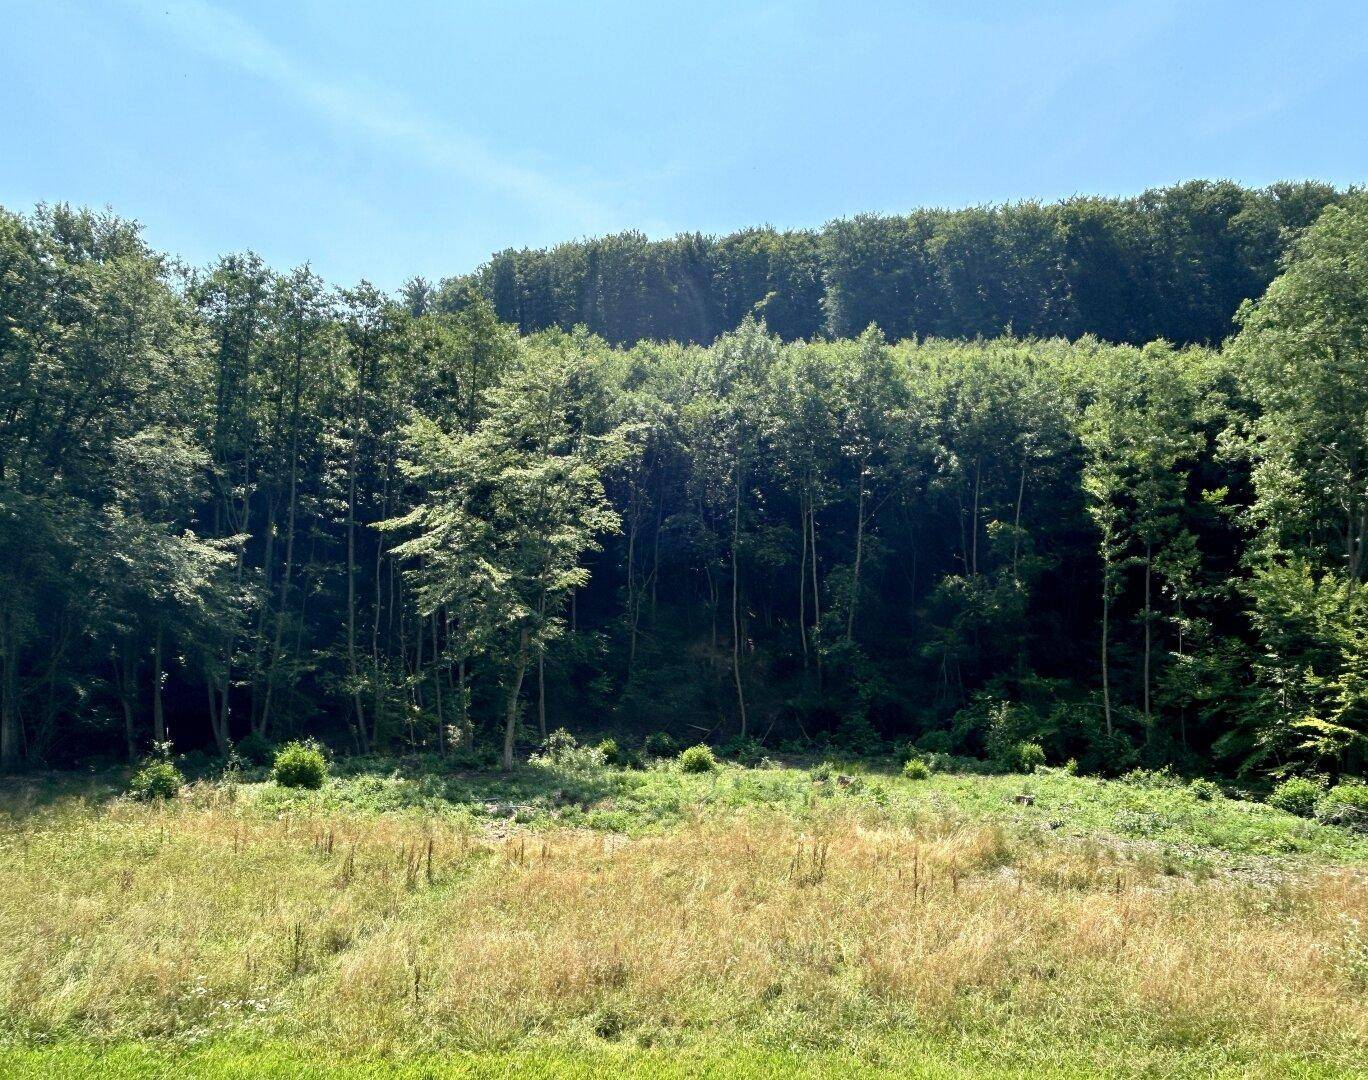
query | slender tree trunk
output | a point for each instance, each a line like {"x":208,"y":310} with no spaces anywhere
{"x":1106,"y":627}
{"x":514,"y":690}
{"x":541,"y":692}
{"x":973,"y":557}
{"x":216,"y":724}
{"x":462,"y":697}
{"x":378,"y":684}
{"x":437,"y":683}
{"x":290,"y":515}
{"x":127,"y":675}
{"x":1149,"y":576}
{"x":859,"y":552}
{"x":158,"y":714}
{"x":736,"y":603}
{"x":655,"y":550}
{"x":1016,"y":524}
{"x":802,"y":578}
{"x":359,"y":719}
{"x":816,"y":591}
{"x":9,"y":697}
{"x":633,"y":516}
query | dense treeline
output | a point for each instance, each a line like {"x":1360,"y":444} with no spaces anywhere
{"x":1173,"y":263}
{"x":236,"y":505}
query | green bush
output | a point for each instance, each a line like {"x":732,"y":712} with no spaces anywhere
{"x":916,"y":769}
{"x":698,"y":759}
{"x":156,"y":780}
{"x":1025,"y":757}
{"x":660,"y":744}
{"x":560,"y":751}
{"x":300,"y":765}
{"x":1345,"y":804}
{"x":936,"y":742}
{"x":1297,"y":795}
{"x":255,"y":750}
{"x":745,"y":752}
{"x":1205,"y":790}
{"x":612,"y":753}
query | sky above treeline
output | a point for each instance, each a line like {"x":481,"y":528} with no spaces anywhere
{"x":384,"y":140}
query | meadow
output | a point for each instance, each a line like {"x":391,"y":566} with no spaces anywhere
{"x":576,"y":918}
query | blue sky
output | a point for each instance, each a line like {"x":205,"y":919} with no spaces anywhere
{"x":382,"y":140}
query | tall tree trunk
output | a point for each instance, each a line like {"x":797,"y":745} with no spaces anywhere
{"x":126,"y":670}
{"x":633,"y":518}
{"x":736,"y":602}
{"x":541,"y":692}
{"x":216,"y":724}
{"x":1149,"y":576}
{"x":1016,"y":524}
{"x":378,"y":684}
{"x":9,"y":696}
{"x":290,"y":515}
{"x":359,"y":718}
{"x":802,"y":578}
{"x":816,"y":591}
{"x":158,"y":714}
{"x":973,"y":557}
{"x":514,"y":690}
{"x":1106,"y":627}
{"x":437,"y":683}
{"x":859,"y":552}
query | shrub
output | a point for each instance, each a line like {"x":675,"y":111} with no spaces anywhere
{"x":941,"y":763}
{"x":1152,"y":778}
{"x":936,"y":742}
{"x":255,"y":750}
{"x":660,"y":744}
{"x":300,"y":765}
{"x":916,"y":769}
{"x":1345,"y":804}
{"x":1297,"y":795}
{"x":824,"y":771}
{"x":1025,"y":757}
{"x":698,"y":759}
{"x":1205,"y":790}
{"x":746,"y":752}
{"x":155,"y":781}
{"x":561,"y":751}
{"x":856,"y":735}
{"x":612,"y":753}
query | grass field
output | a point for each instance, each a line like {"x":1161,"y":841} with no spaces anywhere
{"x":743,"y":922}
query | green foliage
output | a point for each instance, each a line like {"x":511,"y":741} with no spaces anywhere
{"x":300,"y":765}
{"x":697,"y":759}
{"x":1297,"y":795}
{"x":746,"y":752}
{"x":373,"y":519}
{"x":661,"y":744}
{"x":611,"y":752}
{"x":1345,"y":804}
{"x":255,"y":750}
{"x":936,"y":742}
{"x":155,"y":781}
{"x":1205,"y":790}
{"x":562,"y":753}
{"x":1025,"y":757}
{"x":916,"y":769}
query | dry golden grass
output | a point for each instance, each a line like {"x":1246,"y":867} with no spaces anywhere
{"x":374,"y":934}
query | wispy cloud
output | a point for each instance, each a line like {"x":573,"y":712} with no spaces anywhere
{"x":382,"y":116}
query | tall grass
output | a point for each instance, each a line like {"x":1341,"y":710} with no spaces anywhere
{"x":384,"y":934}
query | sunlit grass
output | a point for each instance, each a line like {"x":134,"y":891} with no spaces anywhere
{"x":770,"y":919}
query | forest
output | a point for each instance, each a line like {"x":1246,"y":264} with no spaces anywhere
{"x":1090,"y":475}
